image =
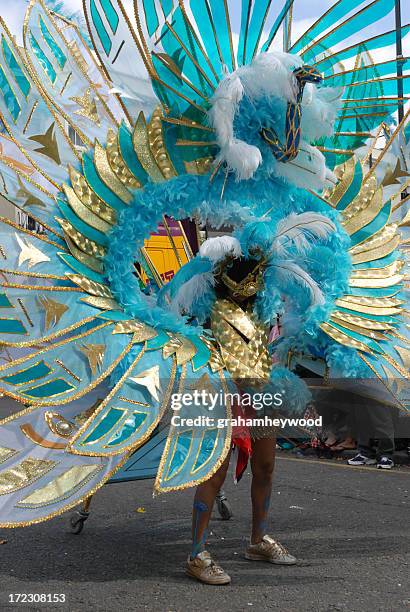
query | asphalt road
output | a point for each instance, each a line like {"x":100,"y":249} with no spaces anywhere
{"x":349,"y":527}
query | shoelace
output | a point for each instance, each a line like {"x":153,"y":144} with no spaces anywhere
{"x":277,"y":547}
{"x":215,"y":569}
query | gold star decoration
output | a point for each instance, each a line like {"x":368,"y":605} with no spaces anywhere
{"x":30,"y":253}
{"x":30,"y":198}
{"x":53,"y":311}
{"x":95,"y":355}
{"x":48,"y":142}
{"x":392,"y":176}
{"x":88,"y":106}
{"x":149,"y":379}
{"x":203,"y":384}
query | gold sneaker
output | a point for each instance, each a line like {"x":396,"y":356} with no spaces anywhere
{"x":204,"y":569}
{"x":271,"y":551}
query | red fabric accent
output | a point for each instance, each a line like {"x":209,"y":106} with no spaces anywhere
{"x":241,"y":439}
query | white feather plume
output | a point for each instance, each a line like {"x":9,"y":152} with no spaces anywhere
{"x":191,"y":291}
{"x":301,"y":230}
{"x":218,"y":248}
{"x":291,"y":272}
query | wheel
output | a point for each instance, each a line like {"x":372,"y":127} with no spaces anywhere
{"x":224,"y":507}
{"x":77,"y":520}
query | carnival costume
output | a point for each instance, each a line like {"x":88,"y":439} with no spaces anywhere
{"x":236,"y":133}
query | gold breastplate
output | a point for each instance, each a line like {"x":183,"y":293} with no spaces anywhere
{"x":242,"y":340}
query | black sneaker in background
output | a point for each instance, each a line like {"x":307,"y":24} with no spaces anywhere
{"x":360,"y":459}
{"x":385,"y":463}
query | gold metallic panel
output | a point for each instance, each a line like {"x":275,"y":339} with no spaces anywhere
{"x":369,"y":333}
{"x":376,"y":283}
{"x":30,"y":433}
{"x":377,"y":253}
{"x":377,"y":302}
{"x":216,"y":362}
{"x":183,"y":349}
{"x":385,"y":272}
{"x":229,"y":324}
{"x":88,"y":260}
{"x":379,"y":239}
{"x":90,"y":286}
{"x":85,"y":244}
{"x":61,"y":487}
{"x":85,"y":213}
{"x":366,"y":214}
{"x":362,"y":200}
{"x":157,"y":145}
{"x":235,"y":315}
{"x":90,"y":199}
{"x":117,"y":163}
{"x":23,"y":474}
{"x":100,"y":302}
{"x":366,"y":309}
{"x":361,"y":321}
{"x":200,"y":166}
{"x":6,"y":453}
{"x":142,"y":148}
{"x":141,"y":331}
{"x":344,"y":339}
{"x":405,"y":356}
{"x":107,"y":175}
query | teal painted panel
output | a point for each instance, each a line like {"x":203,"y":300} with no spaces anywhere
{"x":183,"y":445}
{"x":373,"y":227}
{"x":364,"y":339}
{"x":82,"y":227}
{"x":9,"y":96}
{"x":110,"y":14}
{"x":100,"y":28}
{"x":377,"y":293}
{"x":18,"y":74}
{"x":157,"y":342}
{"x":203,"y":354}
{"x":43,"y":59}
{"x":106,"y":424}
{"x":361,"y":20}
{"x":337,"y":12}
{"x":278,"y":22}
{"x":49,"y":389}
{"x":371,"y":317}
{"x":129,"y":155}
{"x":4,"y":301}
{"x":377,"y":42}
{"x":353,"y":189}
{"x":53,"y":46}
{"x":81,"y":268}
{"x":39,"y":370}
{"x":130,"y":427}
{"x":151,"y":17}
{"x":12,"y":326}
{"x":206,"y":449}
{"x":99,"y":187}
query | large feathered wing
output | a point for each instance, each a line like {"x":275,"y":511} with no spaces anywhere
{"x":372,"y":316}
{"x":96,"y":381}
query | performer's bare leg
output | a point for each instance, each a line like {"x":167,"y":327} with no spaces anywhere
{"x":263,"y":547}
{"x":203,"y":503}
{"x":262,"y":464}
